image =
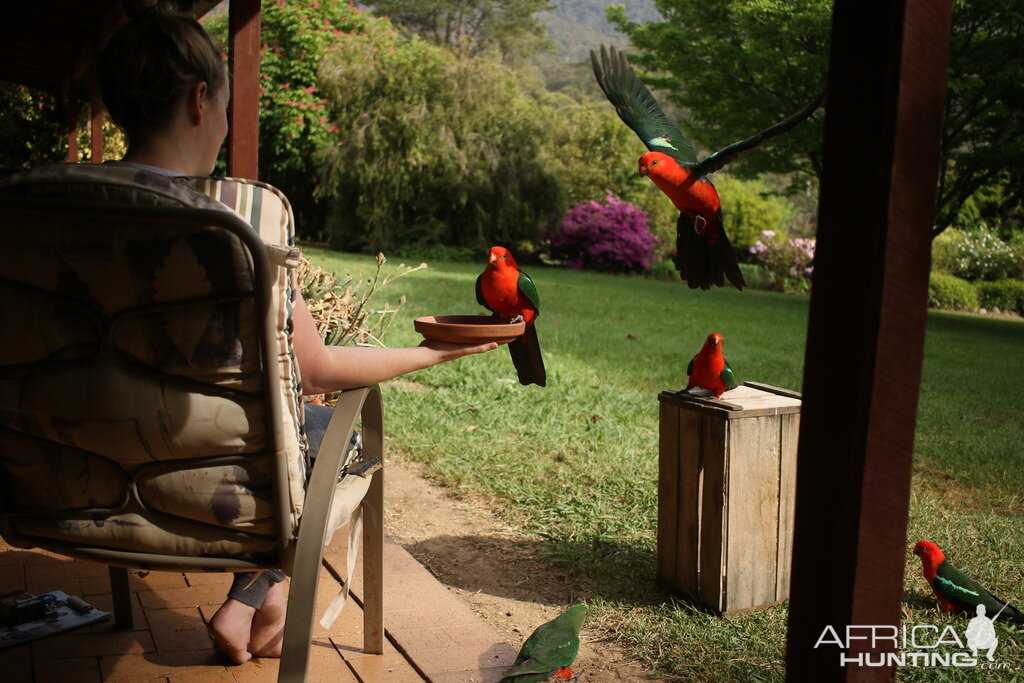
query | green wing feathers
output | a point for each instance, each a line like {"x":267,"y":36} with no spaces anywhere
{"x":480,"y":292}
{"x":637,"y":107}
{"x":728,"y":377}
{"x":528,"y":289}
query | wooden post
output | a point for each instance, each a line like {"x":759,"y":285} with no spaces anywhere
{"x":866,"y":327}
{"x":72,"y":128}
{"x":96,"y":133}
{"x":244,"y":135}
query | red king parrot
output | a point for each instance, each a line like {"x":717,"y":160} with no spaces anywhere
{"x":550,"y":650}
{"x":704,"y":256}
{"x":958,"y":593}
{"x":507,"y":291}
{"x":709,"y":369}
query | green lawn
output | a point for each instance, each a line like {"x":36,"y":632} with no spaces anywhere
{"x":575,"y":464}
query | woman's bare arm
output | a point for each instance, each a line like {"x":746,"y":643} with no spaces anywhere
{"x":333,"y":368}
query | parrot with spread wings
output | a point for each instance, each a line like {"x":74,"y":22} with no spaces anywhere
{"x":704,"y":256}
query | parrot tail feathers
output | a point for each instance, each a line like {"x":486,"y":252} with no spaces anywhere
{"x":527,"y":358}
{"x":530,"y":669}
{"x":702,"y":264}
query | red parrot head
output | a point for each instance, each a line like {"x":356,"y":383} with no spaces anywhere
{"x":500,"y":258}
{"x":714,"y":341}
{"x":658,"y":165}
{"x":931,"y":555}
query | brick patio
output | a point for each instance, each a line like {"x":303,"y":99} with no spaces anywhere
{"x":431,"y":634}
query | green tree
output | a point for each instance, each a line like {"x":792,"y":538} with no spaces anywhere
{"x":33,"y":128}
{"x":510,"y":26}
{"x":437,"y":147}
{"x":294,"y":121}
{"x":736,"y":67}
{"x":739,"y":65}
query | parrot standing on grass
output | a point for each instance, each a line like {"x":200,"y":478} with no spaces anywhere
{"x":550,"y":650}
{"x":958,"y":593}
{"x":709,"y":369}
{"x":704,"y":256}
{"x":507,"y":291}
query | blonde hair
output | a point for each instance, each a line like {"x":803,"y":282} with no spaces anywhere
{"x":150,"y":64}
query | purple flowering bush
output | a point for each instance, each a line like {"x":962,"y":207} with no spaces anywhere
{"x":612,"y":236}
{"x":789,"y":262}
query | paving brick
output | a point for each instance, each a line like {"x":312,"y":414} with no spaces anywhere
{"x":476,"y":635}
{"x":12,"y":578}
{"x":68,"y":645}
{"x":86,"y":568}
{"x":327,"y":664}
{"x":74,"y":670}
{"x":413,"y":640}
{"x":256,"y":670}
{"x":430,"y":616}
{"x":48,"y":578}
{"x":37,"y":556}
{"x":391,"y":668}
{"x":16,"y":663}
{"x":151,"y":581}
{"x":178,"y":629}
{"x":209,"y":579}
{"x":182,"y":597}
{"x":464,"y":659}
{"x":483,"y":676}
{"x":196,"y":665}
{"x":105,"y":602}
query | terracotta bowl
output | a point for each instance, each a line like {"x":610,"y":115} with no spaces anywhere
{"x":468,"y":329}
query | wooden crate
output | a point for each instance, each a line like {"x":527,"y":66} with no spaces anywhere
{"x":726,"y":483}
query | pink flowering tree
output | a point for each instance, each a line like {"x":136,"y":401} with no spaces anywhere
{"x":294,"y":123}
{"x":789,"y":262}
{"x":610,"y":236}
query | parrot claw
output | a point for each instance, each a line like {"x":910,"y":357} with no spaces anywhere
{"x":517,"y":319}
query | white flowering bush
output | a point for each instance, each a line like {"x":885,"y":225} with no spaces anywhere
{"x":981,"y":255}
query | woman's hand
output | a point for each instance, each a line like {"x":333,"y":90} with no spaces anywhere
{"x":449,"y":351}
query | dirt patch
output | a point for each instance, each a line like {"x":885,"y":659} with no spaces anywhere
{"x":491,"y":567}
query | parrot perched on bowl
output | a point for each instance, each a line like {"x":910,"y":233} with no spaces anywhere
{"x":704,"y":256}
{"x":958,"y":593}
{"x":709,"y":369}
{"x":507,"y":291}
{"x":550,"y":650}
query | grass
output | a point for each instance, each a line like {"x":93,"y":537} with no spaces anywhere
{"x":574,"y":465}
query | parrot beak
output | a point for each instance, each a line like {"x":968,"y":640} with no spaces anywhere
{"x":493,"y":259}
{"x":643,"y":171}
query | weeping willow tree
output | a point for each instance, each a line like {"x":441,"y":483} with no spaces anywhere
{"x":437,"y":147}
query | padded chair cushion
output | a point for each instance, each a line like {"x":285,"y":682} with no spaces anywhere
{"x":138,"y":395}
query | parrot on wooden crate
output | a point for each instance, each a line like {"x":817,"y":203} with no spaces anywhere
{"x":550,"y":650}
{"x":958,"y":593}
{"x":507,"y":291}
{"x":704,"y":256}
{"x":709,"y":369}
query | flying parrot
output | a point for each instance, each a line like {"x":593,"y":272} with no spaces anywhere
{"x":703,"y":252}
{"x":550,"y":650}
{"x":507,"y":291}
{"x":958,"y":593}
{"x":709,"y":369}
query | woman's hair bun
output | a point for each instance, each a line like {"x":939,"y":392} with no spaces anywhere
{"x":141,"y":8}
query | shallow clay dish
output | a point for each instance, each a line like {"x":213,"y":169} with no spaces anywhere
{"x":468,"y":329}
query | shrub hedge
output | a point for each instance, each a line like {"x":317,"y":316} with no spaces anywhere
{"x":950,"y":292}
{"x":1006,"y":295}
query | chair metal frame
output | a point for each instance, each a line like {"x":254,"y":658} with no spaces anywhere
{"x":302,"y":551}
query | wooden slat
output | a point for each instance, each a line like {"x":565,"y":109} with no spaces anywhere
{"x":691,"y":455}
{"x":789,"y":426}
{"x":244,"y":132}
{"x":866,"y":333}
{"x":668,"y":493}
{"x":713,"y":522}
{"x":96,"y":134}
{"x":753,"y":476}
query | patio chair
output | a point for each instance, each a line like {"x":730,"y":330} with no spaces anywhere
{"x":150,"y":415}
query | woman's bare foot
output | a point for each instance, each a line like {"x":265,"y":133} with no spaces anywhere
{"x":230,"y":628}
{"x":267,"y":632}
